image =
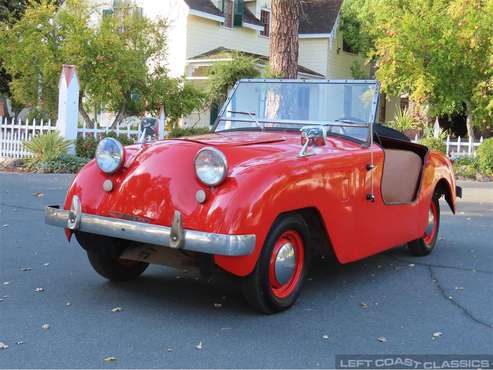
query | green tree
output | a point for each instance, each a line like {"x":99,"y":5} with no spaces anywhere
{"x":223,"y":76}
{"x":175,"y":96}
{"x":113,"y":59}
{"x":438,"y":51}
{"x":10,"y":12}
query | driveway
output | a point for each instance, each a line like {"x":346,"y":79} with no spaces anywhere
{"x":392,"y":303}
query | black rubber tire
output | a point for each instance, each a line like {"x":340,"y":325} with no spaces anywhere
{"x":419,"y":247}
{"x":256,"y":287}
{"x":104,"y":256}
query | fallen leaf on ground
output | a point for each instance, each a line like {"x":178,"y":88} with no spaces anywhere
{"x":199,"y":346}
{"x":3,"y":345}
{"x":437,"y":334}
{"x":38,"y":194}
{"x":217,"y":305}
{"x":382,"y":339}
{"x":39,"y":290}
{"x":110,"y":359}
{"x":117,"y":309}
{"x":363,"y":305}
{"x":25,"y":268}
{"x":45,"y":327}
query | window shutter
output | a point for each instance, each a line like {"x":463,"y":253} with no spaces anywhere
{"x":107,"y":12}
{"x":239,"y":12}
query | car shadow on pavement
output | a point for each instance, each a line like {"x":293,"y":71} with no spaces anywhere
{"x":181,"y":289}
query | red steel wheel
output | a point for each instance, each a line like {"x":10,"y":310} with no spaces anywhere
{"x":286,"y":264}
{"x":276,"y":282}
{"x":425,"y":244}
{"x":432,"y":228}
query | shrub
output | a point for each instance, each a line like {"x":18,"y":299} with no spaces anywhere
{"x":466,"y":167}
{"x":46,"y":147}
{"x":66,"y":163}
{"x":484,"y":155}
{"x":404,"y":120}
{"x":188,"y":131}
{"x":434,"y":143}
{"x":86,"y":147}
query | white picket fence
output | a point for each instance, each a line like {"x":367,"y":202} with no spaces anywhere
{"x":460,"y":147}
{"x":13,"y":134}
{"x":97,"y":131}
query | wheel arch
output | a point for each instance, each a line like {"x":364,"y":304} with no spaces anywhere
{"x":320,"y":241}
{"x":443,"y":188}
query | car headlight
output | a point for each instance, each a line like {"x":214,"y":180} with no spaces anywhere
{"x":109,"y":155}
{"x":211,"y":166}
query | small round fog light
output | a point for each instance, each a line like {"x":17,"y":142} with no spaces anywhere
{"x":108,"y":185}
{"x":200,"y":196}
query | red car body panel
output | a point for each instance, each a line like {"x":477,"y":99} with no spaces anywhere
{"x":265,"y":179}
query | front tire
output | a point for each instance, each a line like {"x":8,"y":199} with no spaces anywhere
{"x":425,"y":245}
{"x":104,"y":256}
{"x":282,"y":267}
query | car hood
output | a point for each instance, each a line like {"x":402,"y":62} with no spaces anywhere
{"x":236,"y":138}
{"x":159,"y":177}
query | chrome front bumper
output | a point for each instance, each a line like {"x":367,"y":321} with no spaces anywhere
{"x":173,"y":237}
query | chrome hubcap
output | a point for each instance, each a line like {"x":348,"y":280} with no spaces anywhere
{"x":285,"y":263}
{"x":431,"y":223}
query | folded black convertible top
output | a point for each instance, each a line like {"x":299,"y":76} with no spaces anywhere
{"x":385,"y":131}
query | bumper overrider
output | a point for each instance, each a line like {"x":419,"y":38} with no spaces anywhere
{"x":175,"y":237}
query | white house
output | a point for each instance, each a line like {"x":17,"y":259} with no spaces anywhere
{"x":203,"y":32}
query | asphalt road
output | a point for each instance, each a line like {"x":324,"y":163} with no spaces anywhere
{"x":167,"y":313}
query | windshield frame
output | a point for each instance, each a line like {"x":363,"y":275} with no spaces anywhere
{"x":304,"y":123}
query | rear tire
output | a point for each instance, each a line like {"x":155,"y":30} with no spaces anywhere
{"x":282,"y":267}
{"x":425,"y":245}
{"x":104,"y":256}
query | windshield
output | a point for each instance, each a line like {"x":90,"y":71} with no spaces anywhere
{"x":347,"y":107}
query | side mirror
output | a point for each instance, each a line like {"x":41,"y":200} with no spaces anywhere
{"x":312,"y":136}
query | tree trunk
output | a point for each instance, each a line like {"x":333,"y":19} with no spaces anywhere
{"x":284,"y":37}
{"x":83,"y":113}
{"x":469,"y":125}
{"x":119,"y":117}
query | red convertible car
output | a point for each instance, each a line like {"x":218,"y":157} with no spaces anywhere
{"x":291,"y":168}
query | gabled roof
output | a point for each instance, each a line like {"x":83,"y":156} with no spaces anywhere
{"x":319,"y":16}
{"x":250,"y":18}
{"x":221,"y":53}
{"x":205,"y":6}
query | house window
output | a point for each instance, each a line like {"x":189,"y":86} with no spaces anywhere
{"x":265,"y":18}
{"x":228,"y":10}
